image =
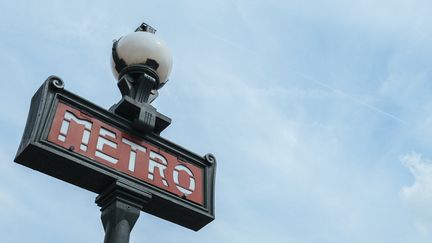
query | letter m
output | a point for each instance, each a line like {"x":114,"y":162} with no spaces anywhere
{"x":73,"y":132}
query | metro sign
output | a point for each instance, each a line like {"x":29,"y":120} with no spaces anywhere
{"x":74,"y":140}
{"x":96,"y":140}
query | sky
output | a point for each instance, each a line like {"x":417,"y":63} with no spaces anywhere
{"x":318,"y":112}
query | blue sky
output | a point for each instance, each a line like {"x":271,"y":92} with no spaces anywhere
{"x":319,"y":113}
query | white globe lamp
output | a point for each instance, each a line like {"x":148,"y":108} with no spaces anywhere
{"x":141,"y":62}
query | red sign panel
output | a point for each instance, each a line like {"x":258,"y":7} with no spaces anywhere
{"x":96,"y":140}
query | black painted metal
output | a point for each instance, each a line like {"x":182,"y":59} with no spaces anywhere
{"x":118,"y":219}
{"x":136,"y":86}
{"x":119,"y":63}
{"x":146,"y":27}
{"x":36,"y":152}
{"x":120,"y":207}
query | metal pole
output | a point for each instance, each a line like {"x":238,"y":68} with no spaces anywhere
{"x":118,"y":219}
{"x":120,"y":206}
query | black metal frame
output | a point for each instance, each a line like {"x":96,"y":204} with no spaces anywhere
{"x":36,"y":152}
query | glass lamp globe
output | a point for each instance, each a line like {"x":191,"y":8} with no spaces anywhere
{"x":142,"y":47}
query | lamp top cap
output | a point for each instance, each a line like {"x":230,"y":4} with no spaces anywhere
{"x":146,"y":28}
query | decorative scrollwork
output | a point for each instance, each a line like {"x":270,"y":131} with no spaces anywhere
{"x":210,"y":158}
{"x":56,"y":81}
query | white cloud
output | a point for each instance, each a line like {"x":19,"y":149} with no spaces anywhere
{"x":420,"y":192}
{"x":418,"y":196}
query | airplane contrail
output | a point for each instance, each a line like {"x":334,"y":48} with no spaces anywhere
{"x":307,"y":77}
{"x":356,"y":100}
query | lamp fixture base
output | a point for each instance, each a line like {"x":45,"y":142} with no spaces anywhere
{"x":144,"y":116}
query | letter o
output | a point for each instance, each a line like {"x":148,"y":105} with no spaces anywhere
{"x":191,"y":187}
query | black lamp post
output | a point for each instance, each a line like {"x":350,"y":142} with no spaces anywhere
{"x":141,"y":62}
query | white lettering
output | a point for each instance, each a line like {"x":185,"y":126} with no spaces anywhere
{"x":191,"y":187}
{"x":68,"y":117}
{"x":103,"y":141}
{"x":133,"y":152}
{"x":154,"y":162}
